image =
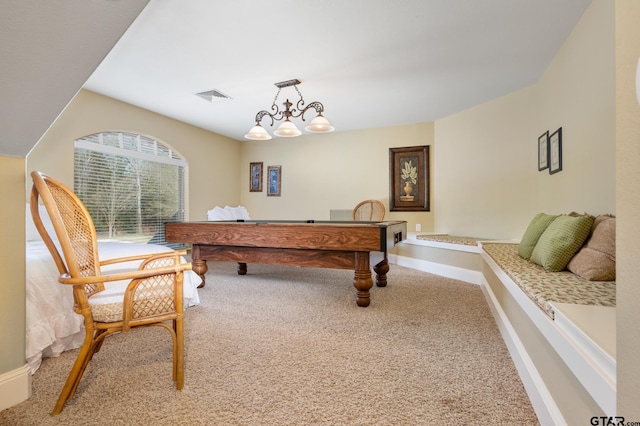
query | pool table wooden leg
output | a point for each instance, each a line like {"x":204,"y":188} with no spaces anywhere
{"x":381,"y":270}
{"x":362,"y":279}
{"x":242,"y":269}
{"x":199,"y":266}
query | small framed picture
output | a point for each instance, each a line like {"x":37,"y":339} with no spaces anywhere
{"x":255,"y":177}
{"x":274,"y":176}
{"x":543,"y":151}
{"x":555,"y":151}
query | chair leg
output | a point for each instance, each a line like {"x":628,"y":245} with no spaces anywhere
{"x":174,"y":343}
{"x":75,"y":374}
{"x":178,"y":353}
{"x":99,"y":339}
{"x":87,"y":358}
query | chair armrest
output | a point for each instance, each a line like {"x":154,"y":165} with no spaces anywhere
{"x":141,"y":257}
{"x":143,"y":273}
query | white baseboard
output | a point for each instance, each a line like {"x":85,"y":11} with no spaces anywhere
{"x":454,"y":272}
{"x":15,"y":387}
{"x":543,"y":403}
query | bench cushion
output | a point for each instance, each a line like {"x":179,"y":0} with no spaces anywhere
{"x":543,"y":287}
{"x":451,"y":239}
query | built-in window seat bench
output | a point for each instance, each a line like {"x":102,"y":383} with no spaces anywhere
{"x":560,"y":331}
{"x":558,"y":327}
{"x":447,"y":255}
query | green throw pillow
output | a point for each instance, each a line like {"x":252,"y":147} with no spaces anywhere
{"x":561,"y":241}
{"x":537,"y":226}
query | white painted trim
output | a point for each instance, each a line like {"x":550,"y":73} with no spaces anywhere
{"x":15,"y":387}
{"x":604,"y":318}
{"x":413,"y":240}
{"x":595,"y":378}
{"x":543,"y":403}
{"x":454,"y":272}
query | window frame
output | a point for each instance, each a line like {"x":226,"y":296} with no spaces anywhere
{"x":138,"y":147}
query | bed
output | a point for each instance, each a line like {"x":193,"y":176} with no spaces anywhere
{"x":51,"y":324}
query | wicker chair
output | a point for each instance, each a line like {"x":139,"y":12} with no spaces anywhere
{"x":152,"y":297}
{"x":368,"y":210}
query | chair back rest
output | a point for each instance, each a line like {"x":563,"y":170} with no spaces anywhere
{"x":369,"y":210}
{"x":75,"y":232}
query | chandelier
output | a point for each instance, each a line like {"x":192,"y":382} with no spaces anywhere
{"x":288,"y":129}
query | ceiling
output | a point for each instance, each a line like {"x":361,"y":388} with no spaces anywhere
{"x":372,"y":63}
{"x":48,"y":51}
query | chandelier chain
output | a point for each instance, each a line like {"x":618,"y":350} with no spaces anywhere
{"x":276,"y":98}
{"x":295,"y":86}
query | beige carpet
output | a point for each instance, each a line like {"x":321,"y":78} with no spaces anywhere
{"x":289,"y":346}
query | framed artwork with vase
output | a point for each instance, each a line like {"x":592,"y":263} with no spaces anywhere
{"x":409,"y":179}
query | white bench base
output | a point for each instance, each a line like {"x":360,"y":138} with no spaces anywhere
{"x":566,"y":365}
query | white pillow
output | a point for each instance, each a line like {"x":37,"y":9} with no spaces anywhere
{"x":239,"y":212}
{"x":228,"y":213}
{"x":218,"y":213}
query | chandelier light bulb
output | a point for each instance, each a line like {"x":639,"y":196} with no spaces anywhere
{"x":287,"y":130}
{"x":319,"y":125}
{"x":258,"y":133}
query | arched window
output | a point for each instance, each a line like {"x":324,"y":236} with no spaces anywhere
{"x":131,"y":185}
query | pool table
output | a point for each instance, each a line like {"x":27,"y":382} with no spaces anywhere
{"x":310,"y":243}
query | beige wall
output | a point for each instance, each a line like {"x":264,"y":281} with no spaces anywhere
{"x":331,"y":171}
{"x":485,"y":169}
{"x":12,"y":264}
{"x":212,"y":158}
{"x":627,"y":205}
{"x":486,"y":176}
{"x":577,"y":93}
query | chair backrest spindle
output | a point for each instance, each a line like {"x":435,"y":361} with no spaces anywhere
{"x":369,"y":210}
{"x":74,"y":229}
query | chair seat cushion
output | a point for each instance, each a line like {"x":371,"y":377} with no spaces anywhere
{"x":106,"y":306}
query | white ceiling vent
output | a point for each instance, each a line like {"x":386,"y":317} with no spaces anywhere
{"x":213,"y":95}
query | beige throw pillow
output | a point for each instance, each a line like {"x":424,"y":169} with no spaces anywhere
{"x":596,"y":260}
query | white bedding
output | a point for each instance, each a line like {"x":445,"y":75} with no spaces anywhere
{"x":228,"y":213}
{"x":52,"y":326}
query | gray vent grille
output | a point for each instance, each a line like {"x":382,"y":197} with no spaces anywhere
{"x":213,"y":95}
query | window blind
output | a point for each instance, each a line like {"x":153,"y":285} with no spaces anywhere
{"x":131,"y":185}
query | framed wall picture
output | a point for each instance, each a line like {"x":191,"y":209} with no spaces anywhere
{"x":555,"y":151}
{"x":543,"y":151}
{"x":409,"y":178}
{"x":255,"y":177}
{"x":274,"y":176}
